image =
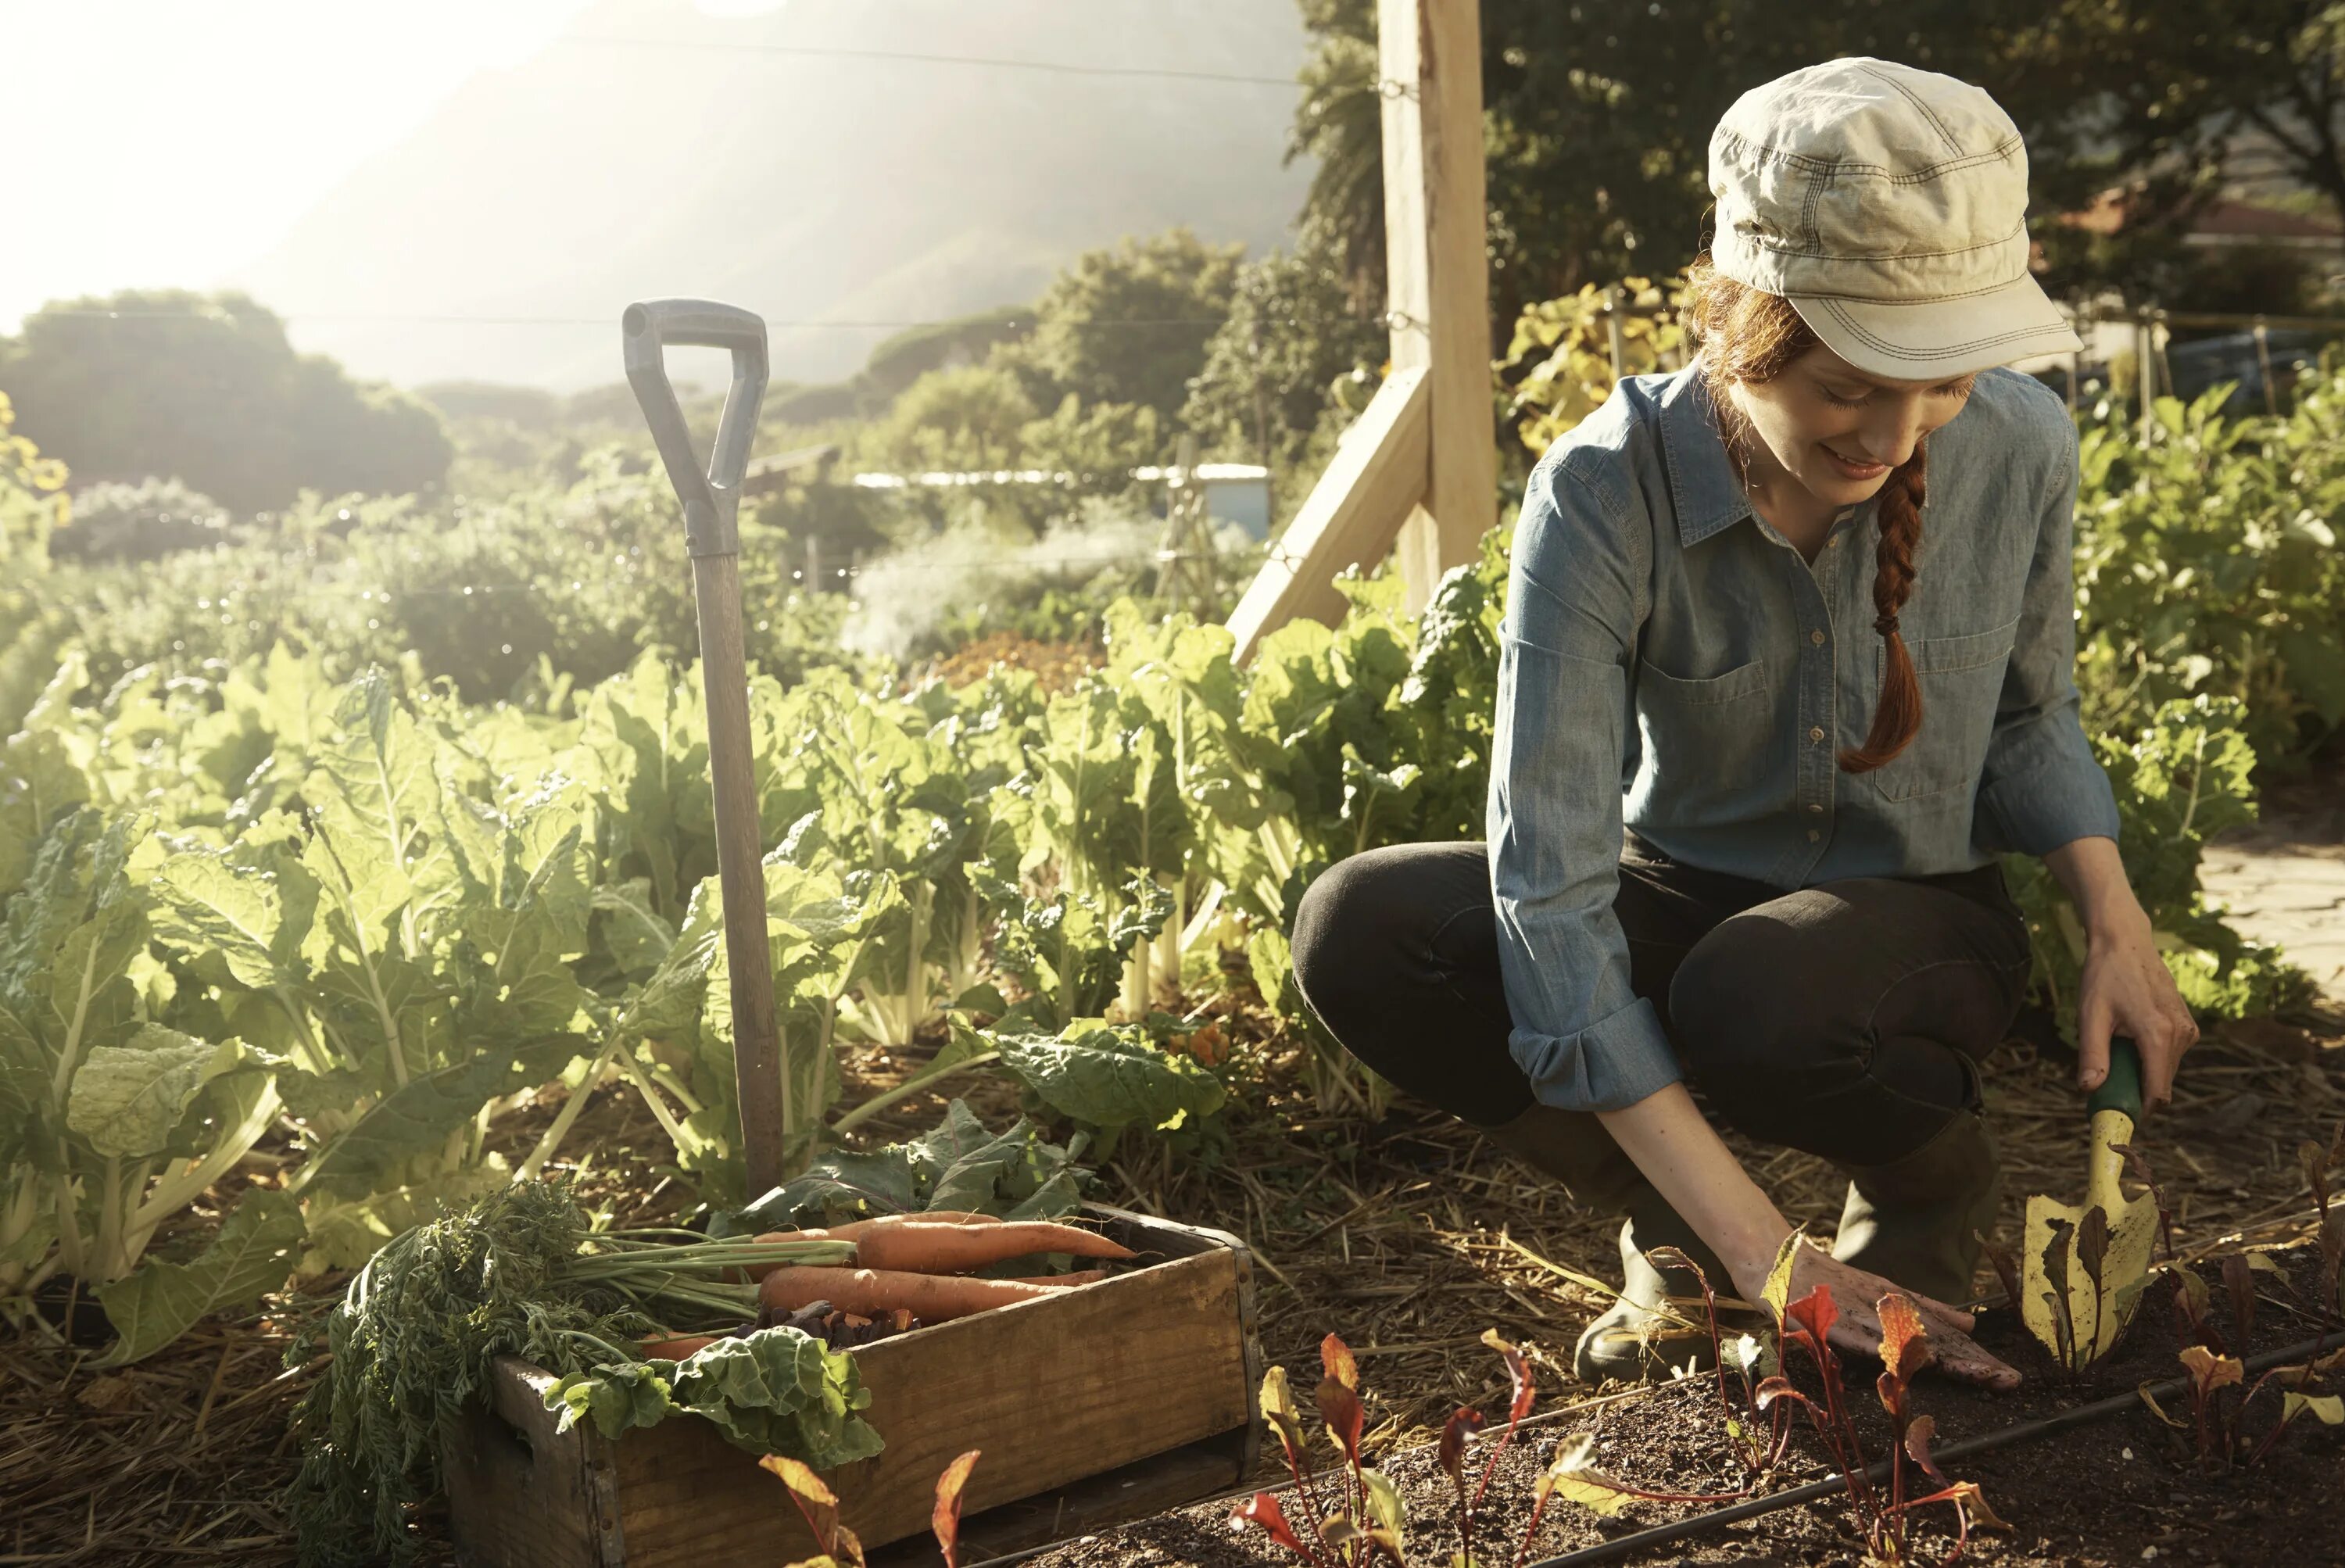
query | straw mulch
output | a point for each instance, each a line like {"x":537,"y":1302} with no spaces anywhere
{"x":1407,"y":1236}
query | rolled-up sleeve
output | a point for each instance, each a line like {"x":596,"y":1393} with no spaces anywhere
{"x":1574,"y":595}
{"x":2041,"y":785}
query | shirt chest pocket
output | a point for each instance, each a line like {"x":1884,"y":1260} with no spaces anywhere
{"x":1961,"y":679}
{"x":1707,"y":737}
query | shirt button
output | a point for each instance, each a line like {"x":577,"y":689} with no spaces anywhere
{"x":1816,"y":734}
{"x":1817,"y":639}
{"x":1815,"y":810}
{"x":1814,"y":835}
{"x":1833,"y":543}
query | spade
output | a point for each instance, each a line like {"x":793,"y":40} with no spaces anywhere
{"x":2086,"y":1266}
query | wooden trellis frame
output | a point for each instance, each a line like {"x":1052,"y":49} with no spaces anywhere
{"x":1419,"y":469}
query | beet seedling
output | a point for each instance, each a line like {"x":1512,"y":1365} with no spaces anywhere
{"x":1904,"y":1350}
{"x":1749,"y":1359}
{"x":1367,"y":1521}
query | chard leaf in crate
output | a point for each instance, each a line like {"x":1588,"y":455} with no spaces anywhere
{"x":959,"y":1165}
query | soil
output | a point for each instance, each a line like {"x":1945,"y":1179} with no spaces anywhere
{"x":2123,"y":1490}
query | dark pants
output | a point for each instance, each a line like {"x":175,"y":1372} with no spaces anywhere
{"x":1844,"y":1018}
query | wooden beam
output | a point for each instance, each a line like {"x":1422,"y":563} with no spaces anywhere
{"x":1428,"y":463}
{"x":1435,"y":250}
{"x":1351,"y":515}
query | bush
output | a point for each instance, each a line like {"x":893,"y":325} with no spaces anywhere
{"x":2206,"y":565}
{"x":142,"y":522}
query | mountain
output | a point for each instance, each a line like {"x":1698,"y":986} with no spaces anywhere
{"x":661,"y":151}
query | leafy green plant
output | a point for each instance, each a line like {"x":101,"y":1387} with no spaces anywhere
{"x":2180,"y":780}
{"x":112,"y":1123}
{"x":2206,"y":567}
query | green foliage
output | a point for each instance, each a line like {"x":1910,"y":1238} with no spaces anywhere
{"x":2179,"y":779}
{"x":1265,"y":392}
{"x":206,"y":389}
{"x":142,"y":522}
{"x":2206,"y":565}
{"x":778,"y":1390}
{"x":553,"y":587}
{"x":1129,"y":325}
{"x":1562,"y":354}
{"x":32,"y":505}
{"x":957,"y":1166}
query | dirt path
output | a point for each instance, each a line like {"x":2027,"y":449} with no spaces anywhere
{"x":2282,"y":887}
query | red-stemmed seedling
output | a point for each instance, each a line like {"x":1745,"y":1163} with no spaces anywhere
{"x":1367,"y":1521}
{"x":1748,"y":1356}
{"x":1904,"y":1350}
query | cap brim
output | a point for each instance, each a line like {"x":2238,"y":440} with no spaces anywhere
{"x":1937,"y":337}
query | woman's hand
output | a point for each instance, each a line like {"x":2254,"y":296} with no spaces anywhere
{"x":1857,"y":1329}
{"x":2126,"y":988}
{"x":1683,"y":1158}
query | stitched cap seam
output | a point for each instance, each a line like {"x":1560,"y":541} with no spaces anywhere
{"x":1810,"y":162}
{"x":1920,"y":108}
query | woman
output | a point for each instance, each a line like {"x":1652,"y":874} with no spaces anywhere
{"x":1799,"y":619}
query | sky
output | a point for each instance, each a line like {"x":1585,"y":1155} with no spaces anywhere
{"x":165,"y":143}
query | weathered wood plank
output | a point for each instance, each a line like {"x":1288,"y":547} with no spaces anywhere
{"x":1429,"y":52}
{"x":521,"y":1495}
{"x":1352,"y":515}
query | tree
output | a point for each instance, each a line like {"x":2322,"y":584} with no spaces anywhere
{"x":1129,"y":325}
{"x":207,"y":389}
{"x":966,"y":418}
{"x":2172,"y":102}
{"x":1293,"y":330}
{"x":1597,"y":117}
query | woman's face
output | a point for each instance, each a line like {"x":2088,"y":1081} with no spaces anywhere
{"x":1836,"y":430}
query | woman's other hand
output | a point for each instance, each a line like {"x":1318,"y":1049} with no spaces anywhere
{"x":2127,"y":990}
{"x":2126,"y":987}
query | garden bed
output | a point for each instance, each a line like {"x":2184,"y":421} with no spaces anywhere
{"x":2123,"y":1489}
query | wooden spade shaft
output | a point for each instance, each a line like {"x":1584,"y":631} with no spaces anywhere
{"x":756,"y":1044}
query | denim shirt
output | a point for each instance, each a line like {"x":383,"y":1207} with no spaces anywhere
{"x":1670,"y":661}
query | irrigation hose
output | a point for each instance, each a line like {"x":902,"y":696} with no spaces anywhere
{"x":1661,"y":1534}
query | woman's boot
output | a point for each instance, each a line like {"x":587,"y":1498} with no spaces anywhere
{"x":1917,"y":1220}
{"x":1658,"y":1322}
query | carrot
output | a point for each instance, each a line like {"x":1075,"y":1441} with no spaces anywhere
{"x":953,"y":1248}
{"x":677,"y":1347}
{"x":930,"y":1297}
{"x":858,"y":1229}
{"x":1077,"y":1277}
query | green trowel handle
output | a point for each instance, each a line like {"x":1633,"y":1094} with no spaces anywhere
{"x":2121,"y":1090}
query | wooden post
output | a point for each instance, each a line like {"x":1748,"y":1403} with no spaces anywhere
{"x":1434,"y":494}
{"x":1429,"y":54}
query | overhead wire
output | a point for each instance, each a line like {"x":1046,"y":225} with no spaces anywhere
{"x":816,"y":51}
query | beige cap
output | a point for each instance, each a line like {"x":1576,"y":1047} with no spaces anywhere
{"x":1889,"y":205}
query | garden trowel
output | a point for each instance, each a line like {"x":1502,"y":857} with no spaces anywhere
{"x":2084,"y":1268}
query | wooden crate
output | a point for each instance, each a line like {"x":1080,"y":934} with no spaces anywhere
{"x":1102,"y":1403}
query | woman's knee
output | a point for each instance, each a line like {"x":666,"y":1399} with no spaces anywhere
{"x":1365,"y":925}
{"x":1755,"y":1006}
{"x":1350,"y":915}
